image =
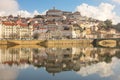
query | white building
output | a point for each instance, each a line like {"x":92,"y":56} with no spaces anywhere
{"x":54,"y":12}
{"x":11,"y":30}
{"x":0,"y":30}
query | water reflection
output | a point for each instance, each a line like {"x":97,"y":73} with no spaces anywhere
{"x":81,"y":62}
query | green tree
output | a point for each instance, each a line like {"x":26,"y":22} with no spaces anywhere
{"x":117,"y":27}
{"x":36,"y":35}
{"x":105,"y":25}
{"x":101,"y":25}
{"x":108,"y":23}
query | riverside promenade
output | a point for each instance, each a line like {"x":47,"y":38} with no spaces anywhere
{"x":64,"y":43}
{"x":20,"y":42}
{"x":67,"y":43}
{"x":48,"y":43}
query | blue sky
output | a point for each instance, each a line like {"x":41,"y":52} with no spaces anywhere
{"x":42,"y":5}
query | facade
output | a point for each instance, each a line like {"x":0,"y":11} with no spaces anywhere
{"x":54,"y":18}
{"x":11,"y":30}
{"x":26,"y":31}
{"x":77,"y":15}
{"x":15,"y":55}
{"x":76,"y":31}
{"x":0,"y":31}
{"x":54,"y":12}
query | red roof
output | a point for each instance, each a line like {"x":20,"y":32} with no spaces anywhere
{"x":7,"y":23}
{"x":19,"y":22}
{"x":23,"y":24}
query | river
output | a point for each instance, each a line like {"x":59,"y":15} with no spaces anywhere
{"x":73,"y":63}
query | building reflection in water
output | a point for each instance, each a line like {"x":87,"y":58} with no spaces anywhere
{"x":56,"y":60}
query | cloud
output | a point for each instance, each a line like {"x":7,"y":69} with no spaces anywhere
{"x":102,"y":12}
{"x":8,"y":6}
{"x":25,"y":13}
{"x":8,"y":74}
{"x":44,"y":13}
{"x":102,"y":69}
{"x":22,"y":13}
{"x":11,"y":72}
{"x":118,"y":1}
{"x":36,"y":12}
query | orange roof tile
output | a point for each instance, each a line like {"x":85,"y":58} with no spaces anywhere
{"x":23,"y":24}
{"x":8,"y":23}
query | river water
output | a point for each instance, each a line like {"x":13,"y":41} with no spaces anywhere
{"x":73,"y":63}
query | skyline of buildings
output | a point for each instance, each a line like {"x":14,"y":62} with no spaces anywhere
{"x":65,"y":25}
{"x":95,"y":8}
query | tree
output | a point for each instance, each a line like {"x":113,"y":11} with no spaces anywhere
{"x":108,"y":23}
{"x":38,"y":16}
{"x":101,"y":25}
{"x":36,"y":35}
{"x":105,"y":25}
{"x":117,"y":27}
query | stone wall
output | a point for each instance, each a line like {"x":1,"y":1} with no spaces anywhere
{"x":20,"y":42}
{"x":49,"y":43}
{"x":68,"y":43}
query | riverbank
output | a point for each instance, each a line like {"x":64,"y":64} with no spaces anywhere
{"x":44,"y":42}
{"x":20,"y":42}
{"x":65,"y":43}
{"x":47,"y":43}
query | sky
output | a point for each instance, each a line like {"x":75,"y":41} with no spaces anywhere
{"x":98,"y":9}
